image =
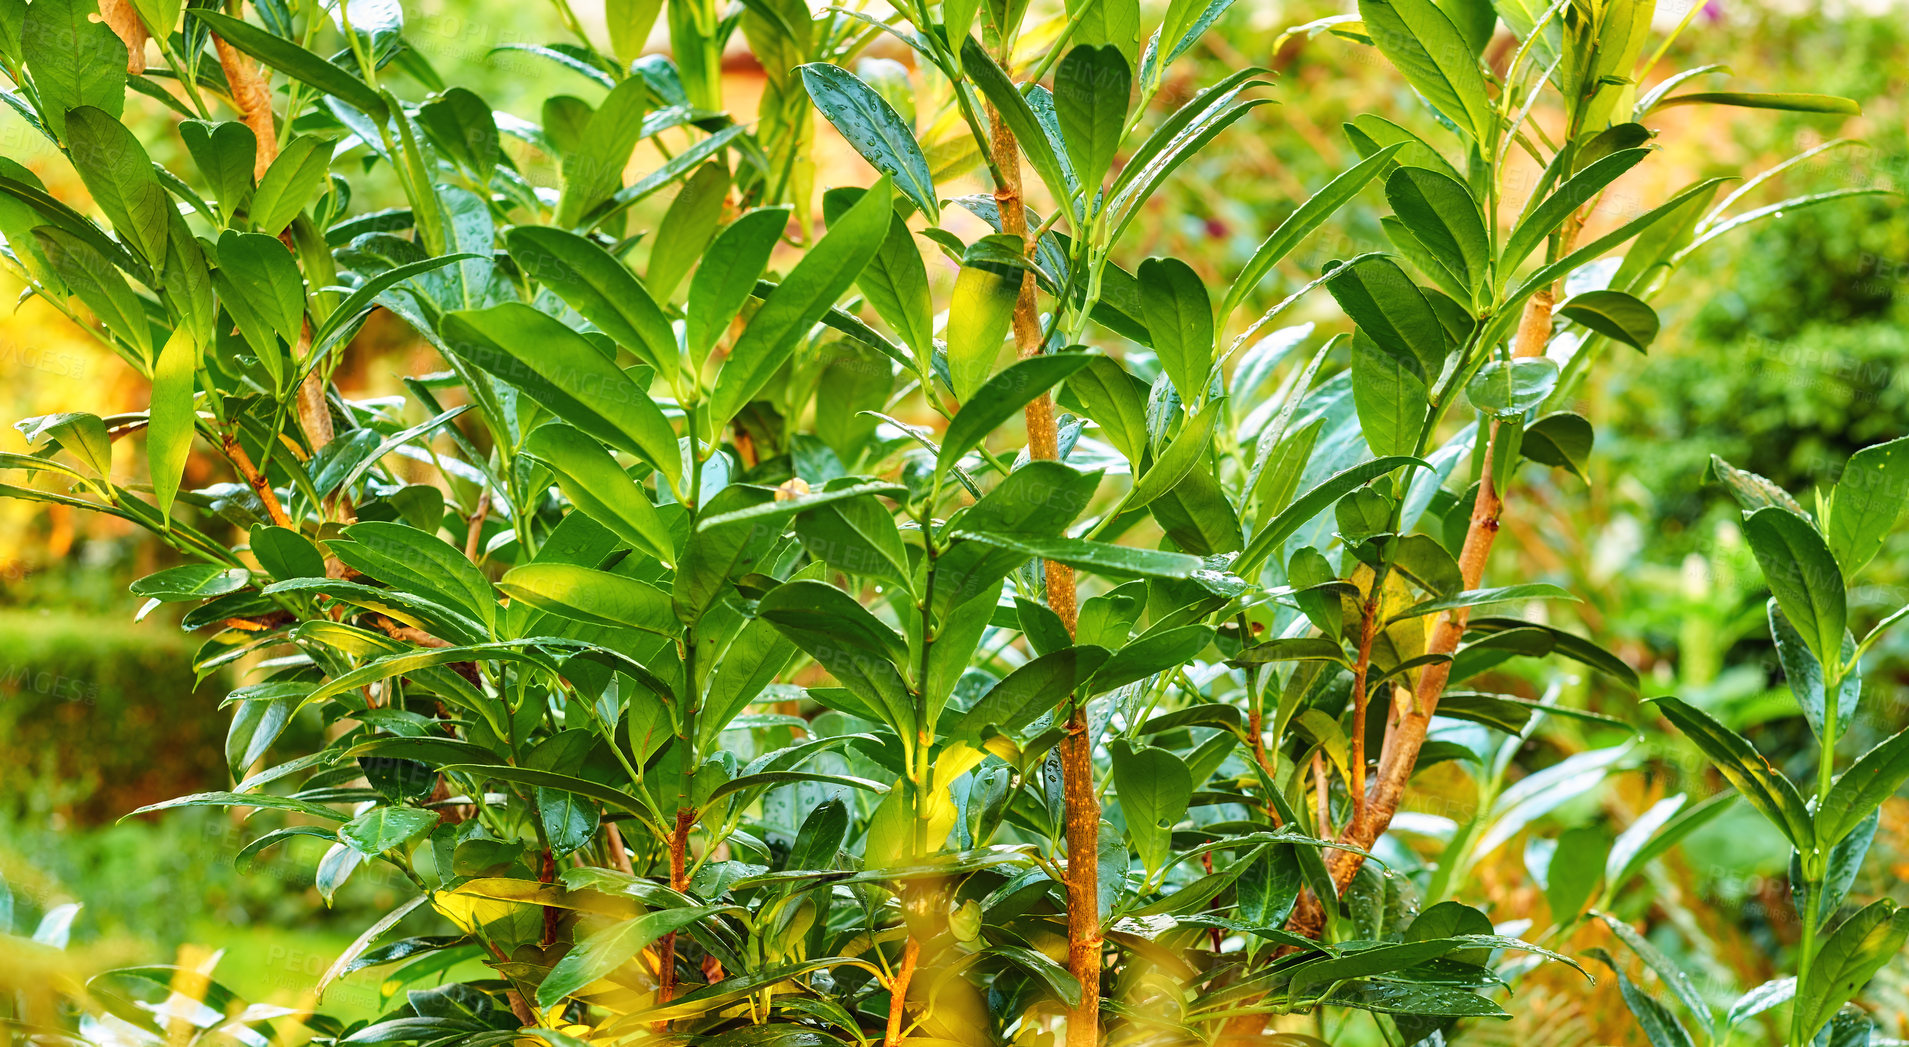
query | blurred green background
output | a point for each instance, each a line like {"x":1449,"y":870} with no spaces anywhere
{"x":1783,"y":352}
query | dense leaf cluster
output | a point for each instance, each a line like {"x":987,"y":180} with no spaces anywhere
{"x":700,"y":643}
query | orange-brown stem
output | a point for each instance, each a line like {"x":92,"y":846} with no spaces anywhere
{"x":613,"y":842}
{"x":252,"y":94}
{"x":898,"y":991}
{"x":679,"y":881}
{"x":123,"y":19}
{"x":1361,"y":668}
{"x":235,"y":453}
{"x":1413,"y":708}
{"x":1082,"y":817}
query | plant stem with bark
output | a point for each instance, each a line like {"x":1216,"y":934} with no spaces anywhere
{"x":1082,"y":802}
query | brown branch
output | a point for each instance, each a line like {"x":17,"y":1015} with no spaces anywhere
{"x":898,"y":991}
{"x":235,"y":453}
{"x":613,"y":842}
{"x":123,"y":19}
{"x":252,"y":94}
{"x":474,"y":533}
{"x":1413,"y":709}
{"x":1081,"y":801}
{"x":1361,"y":668}
{"x":678,"y":881}
{"x":314,"y":414}
{"x":408,"y":633}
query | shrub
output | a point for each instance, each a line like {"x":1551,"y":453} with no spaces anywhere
{"x":749,"y":646}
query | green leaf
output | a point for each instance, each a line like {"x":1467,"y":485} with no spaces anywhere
{"x":687,"y":228}
{"x":1116,"y":401}
{"x":1314,"y":502}
{"x":293,"y":180}
{"x":1155,"y":788}
{"x":593,"y":482}
{"x":615,"y":799}
{"x":1509,"y":388}
{"x":1577,"y":191}
{"x":563,"y":371}
{"x":1391,"y":310}
{"x":772,"y":779}
{"x":76,"y":61}
{"x":260,"y":285}
{"x":1091,"y":90}
{"x":597,"y":956}
{"x":993,"y":82}
{"x":1292,"y":649}
{"x":1037,"y":687}
{"x":629,"y":22}
{"x":1804,"y":674}
{"x":980,"y":313}
{"x":876,"y":131}
{"x":844,"y":638}
{"x":198,"y":581}
{"x":799,"y":301}
{"x":1660,"y":1026}
{"x":120,"y":177}
{"x":601,"y":288}
{"x":1441,"y":213}
{"x":1656,"y":831}
{"x":464,"y":128}
{"x":1434,"y":58}
{"x":384,"y":828}
{"x":1183,"y":453}
{"x":1115,"y":561}
{"x":1794,"y":102}
{"x":1876,"y":776}
{"x":89,"y":273}
{"x":1665,"y":968}
{"x":81,"y":435}
{"x":1867,"y":501}
{"x":1179,"y":317}
{"x":1306,"y":218}
{"x":1614,"y":314}
{"x":1562,"y":440}
{"x":727,"y":275}
{"x":1389,"y":395}
{"x":1773,"y":795}
{"x":417,"y":562}
{"x":285,"y":554}
{"x":1576,"y":866}
{"x":1156,"y":651}
{"x":1115,"y":22}
{"x":263,"y":801}
{"x":569,"y":822}
{"x":1751,"y":491}
{"x":1803,"y":576}
{"x":170,"y":419}
{"x":588,"y":595}
{"x":895,"y":282}
{"x":1004,"y":396}
{"x":593,"y":171}
{"x":296,"y":62}
{"x":1858,"y":948}
{"x":856,"y":536}
{"x":1483,"y":597}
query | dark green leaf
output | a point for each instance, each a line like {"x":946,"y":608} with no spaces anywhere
{"x":601,"y":288}
{"x":1614,"y":314}
{"x":799,"y":301}
{"x":876,"y":131}
{"x":1755,"y":777}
